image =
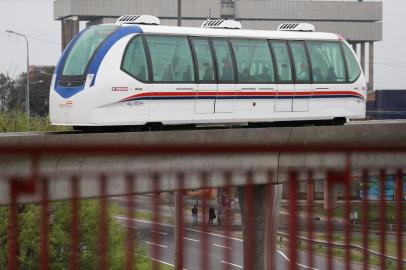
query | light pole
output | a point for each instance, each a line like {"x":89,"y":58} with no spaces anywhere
{"x":27,"y":91}
{"x":179,"y":12}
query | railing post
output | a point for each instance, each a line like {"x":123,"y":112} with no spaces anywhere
{"x":179,"y":224}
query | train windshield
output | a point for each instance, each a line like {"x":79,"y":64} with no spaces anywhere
{"x":84,"y":48}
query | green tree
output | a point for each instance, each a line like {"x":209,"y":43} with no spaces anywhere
{"x":6,"y":89}
{"x":39,"y":90}
{"x":59,"y":237}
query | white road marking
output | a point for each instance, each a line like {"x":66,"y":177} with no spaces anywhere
{"x":191,"y":239}
{"x":163,"y":233}
{"x":301,"y":265}
{"x":186,"y":229}
{"x":155,"y":244}
{"x":166,"y":263}
{"x":129,"y":226}
{"x":214,"y":234}
{"x":232,"y":264}
{"x":221,"y":246}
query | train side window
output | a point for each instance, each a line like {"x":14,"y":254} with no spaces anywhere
{"x":254,"y":61}
{"x":171,"y":59}
{"x":204,"y":60}
{"x":134,"y":61}
{"x":283,"y":66}
{"x":300,"y":62}
{"x":224,"y":61}
{"x":327,"y":62}
{"x":353,"y":67}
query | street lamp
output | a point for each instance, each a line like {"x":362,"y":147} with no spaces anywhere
{"x":27,"y":91}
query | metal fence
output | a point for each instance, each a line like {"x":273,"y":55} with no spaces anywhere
{"x":358,"y":224}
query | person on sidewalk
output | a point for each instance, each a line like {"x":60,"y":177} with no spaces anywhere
{"x":194,"y":214}
{"x":212,"y":216}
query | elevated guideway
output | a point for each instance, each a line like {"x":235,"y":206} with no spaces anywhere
{"x":58,"y":165}
{"x":75,"y":165}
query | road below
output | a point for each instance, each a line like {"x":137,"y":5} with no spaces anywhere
{"x":161,"y":238}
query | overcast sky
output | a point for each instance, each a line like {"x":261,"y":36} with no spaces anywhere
{"x":35,"y":19}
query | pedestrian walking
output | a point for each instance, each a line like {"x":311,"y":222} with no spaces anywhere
{"x":194,"y":214}
{"x":212,"y":215}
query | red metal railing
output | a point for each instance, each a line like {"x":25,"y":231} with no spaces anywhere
{"x":315,"y":233}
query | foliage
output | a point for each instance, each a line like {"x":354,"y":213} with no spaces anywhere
{"x":6,"y":88}
{"x":13,"y":91}
{"x":16,"y":121}
{"x":59,"y":237}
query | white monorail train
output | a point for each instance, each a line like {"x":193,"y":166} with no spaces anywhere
{"x":136,"y":72}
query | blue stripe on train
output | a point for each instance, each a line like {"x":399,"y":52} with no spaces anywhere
{"x":67,"y":92}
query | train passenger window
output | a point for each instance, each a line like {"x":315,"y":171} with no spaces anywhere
{"x":284,"y":69}
{"x":171,"y":59}
{"x":134,"y":61}
{"x":300,"y":62}
{"x":204,"y":59}
{"x":327,"y":62}
{"x":352,"y":65}
{"x":254,"y":61}
{"x":224,"y":61}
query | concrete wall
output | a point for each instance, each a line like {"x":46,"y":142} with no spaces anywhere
{"x":353,"y":31}
{"x":309,"y":10}
{"x":359,"y":21}
{"x":107,"y":8}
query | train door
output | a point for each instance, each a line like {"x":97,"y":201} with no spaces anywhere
{"x":226,"y":88}
{"x":206,"y":90}
{"x":303,"y":86}
{"x":173,"y":76}
{"x":328,"y":71}
{"x":286,"y":89}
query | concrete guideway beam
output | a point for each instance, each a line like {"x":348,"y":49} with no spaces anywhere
{"x":59,"y":167}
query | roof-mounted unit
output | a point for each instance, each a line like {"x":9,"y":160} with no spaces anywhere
{"x":301,"y":27}
{"x":138,"y":19}
{"x":229,"y":24}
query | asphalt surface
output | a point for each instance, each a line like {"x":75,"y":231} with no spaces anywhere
{"x":161,"y":238}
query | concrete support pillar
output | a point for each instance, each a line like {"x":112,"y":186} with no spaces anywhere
{"x":330,"y":195}
{"x":399,"y":189}
{"x":354,"y":47}
{"x":371,"y":67}
{"x":260,"y":207}
{"x":178,"y":230}
{"x":363,"y":56}
{"x":310,"y":191}
{"x":70,"y":27}
{"x":179,"y":19}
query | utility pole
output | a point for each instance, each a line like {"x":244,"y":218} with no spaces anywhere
{"x":179,"y":12}
{"x":27,"y":91}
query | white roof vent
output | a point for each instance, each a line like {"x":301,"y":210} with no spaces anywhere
{"x":138,"y":19}
{"x":302,"y":27}
{"x":229,"y":24}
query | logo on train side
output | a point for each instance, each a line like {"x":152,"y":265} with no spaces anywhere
{"x":119,"y":89}
{"x":68,"y":103}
